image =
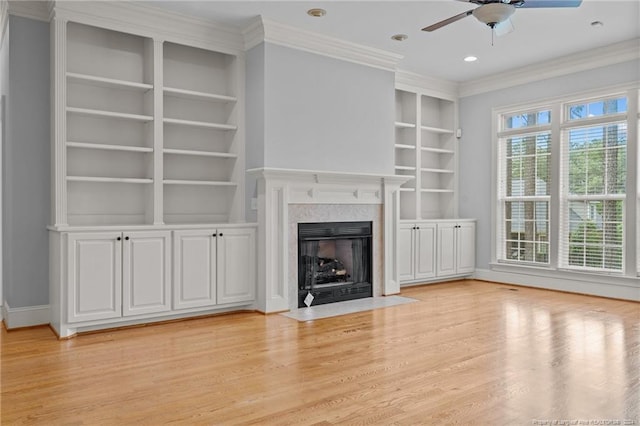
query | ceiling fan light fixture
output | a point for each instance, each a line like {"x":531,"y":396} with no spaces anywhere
{"x":493,"y":13}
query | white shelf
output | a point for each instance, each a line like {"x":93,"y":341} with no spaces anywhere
{"x":109,"y":114}
{"x":405,"y":168}
{"x":437,"y":190}
{"x":436,"y":130}
{"x":202,"y":124}
{"x":403,"y":146}
{"x":430,"y":170}
{"x":407,"y":190}
{"x":198,"y":182}
{"x":107,"y":179}
{"x":107,"y":82}
{"x":199,"y":153}
{"x":403,"y":125}
{"x":193,"y":94}
{"x":108,"y":147}
{"x":438,"y":150}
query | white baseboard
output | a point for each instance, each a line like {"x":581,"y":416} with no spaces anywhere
{"x":624,"y":292}
{"x":25,"y":317}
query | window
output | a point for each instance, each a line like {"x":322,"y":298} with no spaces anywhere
{"x":565,"y":163}
{"x":525,"y":186}
{"x":594,"y":161}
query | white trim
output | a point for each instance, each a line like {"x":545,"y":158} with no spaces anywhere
{"x":38,"y":10}
{"x":4,"y":19}
{"x":24,"y":317}
{"x":266,"y":30}
{"x":430,"y":86}
{"x":626,"y":289}
{"x":590,"y":59}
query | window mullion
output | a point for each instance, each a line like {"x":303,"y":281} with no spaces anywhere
{"x":557,"y":182}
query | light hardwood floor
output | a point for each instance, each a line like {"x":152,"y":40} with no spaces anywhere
{"x":468,"y":352}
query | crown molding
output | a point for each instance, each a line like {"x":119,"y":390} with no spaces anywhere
{"x":152,"y":22}
{"x":431,"y":86}
{"x":38,"y":10}
{"x":582,"y":61}
{"x":273,"y":32}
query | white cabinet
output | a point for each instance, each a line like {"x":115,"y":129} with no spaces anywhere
{"x":214,"y":266}
{"x":114,"y":274}
{"x":456,"y":248}
{"x":430,"y":250}
{"x":417,"y":243}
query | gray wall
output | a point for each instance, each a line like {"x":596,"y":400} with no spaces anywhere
{"x":475,"y":145}
{"x":25,"y":168}
{"x":326,"y":114}
{"x":307,"y":111}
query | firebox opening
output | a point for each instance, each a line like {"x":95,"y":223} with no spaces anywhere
{"x":334,"y":261}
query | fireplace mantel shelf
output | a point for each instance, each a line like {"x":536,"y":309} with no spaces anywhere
{"x":316,"y":176}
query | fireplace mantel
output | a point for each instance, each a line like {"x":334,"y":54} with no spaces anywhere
{"x":278,"y":188}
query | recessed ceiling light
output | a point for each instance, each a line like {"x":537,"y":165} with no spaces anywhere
{"x":399,"y":37}
{"x":597,"y":24}
{"x":316,"y":13}
{"x":470,"y":59}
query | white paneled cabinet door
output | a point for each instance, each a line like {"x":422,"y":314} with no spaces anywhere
{"x":406,"y":256}
{"x":146,"y":272}
{"x":446,"y":254}
{"x":236,"y":265}
{"x":425,"y":237}
{"x":95,"y":276}
{"x":195,"y":268}
{"x":466,"y":248}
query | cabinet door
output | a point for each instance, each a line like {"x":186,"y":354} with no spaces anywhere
{"x":146,"y":272}
{"x":466,"y":248}
{"x":446,"y":254}
{"x":236,"y":265}
{"x":195,"y":268}
{"x":425,"y":237}
{"x":406,"y":258}
{"x":95,"y":276}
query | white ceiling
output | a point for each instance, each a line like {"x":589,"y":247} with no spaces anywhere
{"x":539,"y":35}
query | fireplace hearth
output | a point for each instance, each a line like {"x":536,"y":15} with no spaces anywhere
{"x":334,"y":262}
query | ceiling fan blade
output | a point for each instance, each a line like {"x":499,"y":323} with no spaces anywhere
{"x":503,"y":28}
{"x":447,"y":21}
{"x":532,"y":4}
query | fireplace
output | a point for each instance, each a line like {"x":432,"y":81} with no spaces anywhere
{"x":334,"y":262}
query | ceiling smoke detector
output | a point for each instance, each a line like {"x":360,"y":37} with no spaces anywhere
{"x":493,"y":13}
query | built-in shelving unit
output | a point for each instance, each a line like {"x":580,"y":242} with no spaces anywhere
{"x":200,"y":141}
{"x":426,"y":149}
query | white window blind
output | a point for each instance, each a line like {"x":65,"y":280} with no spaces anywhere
{"x":524,"y":187}
{"x":593,"y":190}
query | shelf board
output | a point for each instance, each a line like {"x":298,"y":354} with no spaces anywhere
{"x":437,"y":150}
{"x":437,"y":130}
{"x":204,"y":124}
{"x":106,"y":179}
{"x":403,"y":125}
{"x":407,"y":190}
{"x":108,"y":147}
{"x":199,"y":153}
{"x":437,"y":190}
{"x":403,"y":146}
{"x":429,"y":170}
{"x":193,"y":94}
{"x":110,"y":114}
{"x":198,"y":182}
{"x":405,"y":168}
{"x":107,"y":82}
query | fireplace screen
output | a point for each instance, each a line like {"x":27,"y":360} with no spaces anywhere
{"x":334,"y":261}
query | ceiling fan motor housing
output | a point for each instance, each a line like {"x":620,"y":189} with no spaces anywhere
{"x":493,"y":13}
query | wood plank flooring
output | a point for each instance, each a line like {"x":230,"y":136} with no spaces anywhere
{"x":468,"y":352}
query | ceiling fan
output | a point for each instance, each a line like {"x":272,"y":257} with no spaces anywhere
{"x":496,"y":13}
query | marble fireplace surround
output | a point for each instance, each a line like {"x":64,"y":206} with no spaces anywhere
{"x":288,"y":196}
